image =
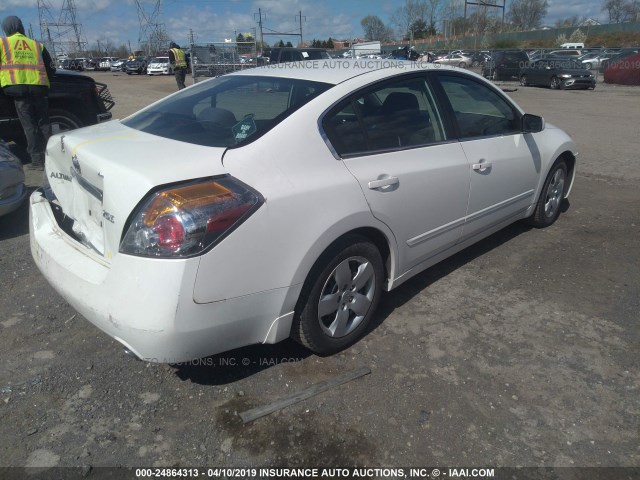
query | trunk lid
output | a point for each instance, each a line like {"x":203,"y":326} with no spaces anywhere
{"x":99,"y":174}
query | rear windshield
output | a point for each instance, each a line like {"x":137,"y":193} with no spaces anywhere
{"x":227,"y":111}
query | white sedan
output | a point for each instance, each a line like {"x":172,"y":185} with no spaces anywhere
{"x":159,"y":66}
{"x":281,"y":202}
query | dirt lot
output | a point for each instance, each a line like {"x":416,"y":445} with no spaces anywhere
{"x":520,"y":351}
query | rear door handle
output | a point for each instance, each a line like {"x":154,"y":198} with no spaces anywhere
{"x":383,"y":182}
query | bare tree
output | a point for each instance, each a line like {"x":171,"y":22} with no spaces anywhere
{"x":433,"y":13}
{"x":484,"y":21}
{"x":574,"y":21}
{"x":621,"y":10}
{"x":527,"y":14}
{"x":375,"y":29}
{"x":406,"y":16}
{"x":453,"y":17}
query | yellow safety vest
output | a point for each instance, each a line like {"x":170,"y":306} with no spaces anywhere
{"x":21,"y":62}
{"x":179,"y":57}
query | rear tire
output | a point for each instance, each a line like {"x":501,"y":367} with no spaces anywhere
{"x":523,"y":80}
{"x":340,"y":296}
{"x":548,"y":206}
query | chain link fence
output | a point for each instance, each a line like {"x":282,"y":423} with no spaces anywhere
{"x":217,"y":58}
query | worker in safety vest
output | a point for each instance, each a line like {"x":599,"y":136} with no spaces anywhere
{"x":25,"y":67}
{"x":178,"y":61}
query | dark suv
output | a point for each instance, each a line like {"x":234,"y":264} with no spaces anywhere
{"x":505,"y":64}
{"x":74,"y":101}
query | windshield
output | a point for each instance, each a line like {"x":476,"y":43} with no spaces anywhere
{"x":160,"y":60}
{"x":227,"y":111}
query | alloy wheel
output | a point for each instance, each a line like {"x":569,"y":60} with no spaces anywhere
{"x":554,"y":194}
{"x":346,"y":297}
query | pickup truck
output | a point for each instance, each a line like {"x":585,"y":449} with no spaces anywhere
{"x":74,"y":101}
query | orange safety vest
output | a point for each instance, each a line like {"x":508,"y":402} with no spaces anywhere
{"x":21,"y":62}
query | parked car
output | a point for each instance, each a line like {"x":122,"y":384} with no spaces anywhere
{"x":567,"y":53}
{"x":505,"y":64}
{"x":73,"y":64}
{"x":137,"y":65}
{"x":557,"y":74}
{"x":456,"y":59}
{"x":590,"y":61}
{"x":118,"y":65}
{"x":282,"y":55}
{"x":440,"y":54}
{"x":479,"y":58}
{"x":87,"y":63}
{"x":622,"y":54}
{"x":275,"y":203}
{"x":104,"y":63}
{"x":624,"y":72}
{"x":12,"y":189}
{"x":74,"y":101}
{"x":159,"y":66}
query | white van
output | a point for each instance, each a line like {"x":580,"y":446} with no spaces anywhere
{"x":572,"y":45}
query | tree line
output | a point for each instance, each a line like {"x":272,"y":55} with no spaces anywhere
{"x":418,"y":19}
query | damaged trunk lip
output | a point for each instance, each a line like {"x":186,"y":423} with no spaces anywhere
{"x":86,"y":185}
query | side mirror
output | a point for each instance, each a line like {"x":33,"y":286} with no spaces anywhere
{"x":532,"y":123}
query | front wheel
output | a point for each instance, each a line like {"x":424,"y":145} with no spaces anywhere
{"x":340,"y":296}
{"x":547,"y":209}
{"x":462,"y":65}
{"x":523,"y":80}
{"x":63,"y":121}
{"x":588,"y":66}
{"x":555,"y":83}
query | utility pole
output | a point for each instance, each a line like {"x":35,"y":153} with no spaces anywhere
{"x":300,"y":17}
{"x":260,"y":25}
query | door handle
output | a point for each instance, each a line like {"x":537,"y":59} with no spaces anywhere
{"x":383,"y":182}
{"x":481,"y":167}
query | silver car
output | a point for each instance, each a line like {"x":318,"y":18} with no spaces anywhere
{"x":590,"y":62}
{"x":118,"y":65}
{"x":455,"y":59}
{"x":12,"y":189}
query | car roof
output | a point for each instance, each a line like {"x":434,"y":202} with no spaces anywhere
{"x":335,"y":71}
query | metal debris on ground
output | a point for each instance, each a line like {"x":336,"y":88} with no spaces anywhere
{"x":255,"y":413}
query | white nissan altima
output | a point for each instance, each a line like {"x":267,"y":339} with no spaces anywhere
{"x":281,"y":201}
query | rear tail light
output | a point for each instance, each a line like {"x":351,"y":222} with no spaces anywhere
{"x":188,"y":219}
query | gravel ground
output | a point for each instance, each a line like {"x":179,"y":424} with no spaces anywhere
{"x":519,"y":351}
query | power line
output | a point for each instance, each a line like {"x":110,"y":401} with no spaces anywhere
{"x":63,"y":33}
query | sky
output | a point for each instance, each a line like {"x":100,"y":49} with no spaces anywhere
{"x":217,"y":20}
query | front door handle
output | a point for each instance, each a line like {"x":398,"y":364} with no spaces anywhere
{"x":383,"y":182}
{"x":481,"y":167}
